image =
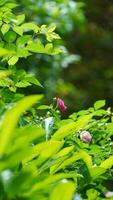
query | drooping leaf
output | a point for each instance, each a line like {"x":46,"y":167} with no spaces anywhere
{"x":33,"y":80}
{"x":44,"y":150}
{"x":75,"y":157}
{"x":51,"y":179}
{"x":71,"y":128}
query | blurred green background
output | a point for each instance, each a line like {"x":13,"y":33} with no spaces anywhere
{"x":84,"y":72}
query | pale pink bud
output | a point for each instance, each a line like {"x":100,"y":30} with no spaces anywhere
{"x":108,"y":194}
{"x":61,"y":105}
{"x":85,"y":136}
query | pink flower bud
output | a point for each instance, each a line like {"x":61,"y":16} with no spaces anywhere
{"x":108,"y":194}
{"x":61,"y":105}
{"x":85,"y":136}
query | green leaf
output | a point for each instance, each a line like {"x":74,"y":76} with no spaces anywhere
{"x":46,"y":153}
{"x":44,"y":150}
{"x":30,"y":26}
{"x":4,"y":52}
{"x":44,"y":107}
{"x":18,"y":30}
{"x":0,"y":23}
{"x":13,"y":60}
{"x":26,"y":135}
{"x":10,"y":36}
{"x":48,"y":31}
{"x":77,"y":156}
{"x":60,"y":157}
{"x":56,"y":51}
{"x":108,"y":163}
{"x":52,"y":36}
{"x":12,"y":116}
{"x":22,"y":52}
{"x":4,"y":83}
{"x":4,"y":73}
{"x":96,"y":172}
{"x":63,"y":191}
{"x":11,"y":5}
{"x":51,"y":179}
{"x":11,"y":47}
{"x":64,"y":151}
{"x":21,"y":41}
{"x":8,"y":16}
{"x":49,"y":48}
{"x":51,"y":28}
{"x":5,"y":28}
{"x":36,"y":47}
{"x":20,"y":19}
{"x":72,"y":127}
{"x":22,"y":84}
{"x":12,"y":88}
{"x":2,"y":2}
{"x":100,"y":112}
{"x":99,"y":104}
{"x":30,"y":78}
{"x":92,"y":194}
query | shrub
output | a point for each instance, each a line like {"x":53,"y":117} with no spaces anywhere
{"x":41,"y":155}
{"x":33,"y":166}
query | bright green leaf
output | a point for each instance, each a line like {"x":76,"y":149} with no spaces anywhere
{"x":13,"y":60}
{"x":71,"y":127}
{"x":18,"y":30}
{"x":63,"y":191}
{"x":99,"y":104}
{"x":12,"y":116}
{"x":20,"y":19}
{"x":5,"y":28}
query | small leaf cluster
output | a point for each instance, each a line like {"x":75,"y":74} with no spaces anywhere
{"x":13,"y":79}
{"x":22,"y":38}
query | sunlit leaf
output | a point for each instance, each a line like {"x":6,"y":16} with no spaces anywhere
{"x":66,"y":191}
{"x":71,"y":127}
{"x":99,"y":104}
{"x":13,"y":115}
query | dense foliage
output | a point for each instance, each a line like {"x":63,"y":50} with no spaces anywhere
{"x":66,"y":15}
{"x":86,"y":30}
{"x":43,"y":156}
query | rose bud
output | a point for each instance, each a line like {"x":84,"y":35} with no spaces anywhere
{"x":85,"y":136}
{"x":108,"y":194}
{"x":61,"y":105}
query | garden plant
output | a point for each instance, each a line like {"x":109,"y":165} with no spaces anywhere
{"x":43,"y":155}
